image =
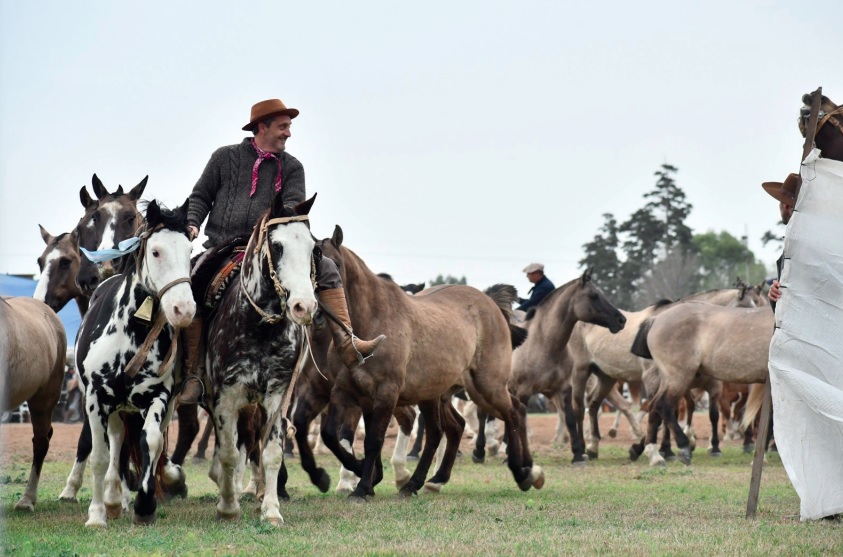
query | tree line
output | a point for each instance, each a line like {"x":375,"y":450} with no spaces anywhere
{"x":654,"y":254}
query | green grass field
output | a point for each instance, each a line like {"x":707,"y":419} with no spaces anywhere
{"x":611,"y":507}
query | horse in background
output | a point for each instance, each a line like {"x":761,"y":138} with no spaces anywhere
{"x":542,"y":363}
{"x":33,"y":351}
{"x":127,"y":366}
{"x":829,"y":135}
{"x":257,"y":331}
{"x":59,"y":265}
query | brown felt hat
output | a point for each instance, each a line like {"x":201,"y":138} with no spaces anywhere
{"x":784,"y":192}
{"x":267,"y":108}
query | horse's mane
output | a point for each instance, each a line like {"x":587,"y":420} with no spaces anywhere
{"x":387,"y":277}
{"x":171,"y":219}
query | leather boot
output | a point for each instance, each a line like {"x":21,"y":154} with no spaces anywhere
{"x":354,"y":351}
{"x":192,"y":388}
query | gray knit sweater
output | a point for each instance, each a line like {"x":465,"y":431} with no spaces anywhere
{"x":223,"y":191}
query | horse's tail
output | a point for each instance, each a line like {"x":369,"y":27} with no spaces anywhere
{"x":639,"y":346}
{"x":753,"y":405}
{"x":504,"y":295}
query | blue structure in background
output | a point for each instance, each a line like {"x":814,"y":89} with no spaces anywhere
{"x":16,"y":286}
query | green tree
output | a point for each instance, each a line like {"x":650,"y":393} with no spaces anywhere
{"x":447,"y":280}
{"x":601,"y":254}
{"x":723,"y":258}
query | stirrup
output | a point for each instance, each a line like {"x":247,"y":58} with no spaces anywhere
{"x":193,"y":376}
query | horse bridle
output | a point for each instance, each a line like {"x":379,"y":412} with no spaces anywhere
{"x":261,"y":243}
{"x":828,"y":117}
{"x":141,"y":252}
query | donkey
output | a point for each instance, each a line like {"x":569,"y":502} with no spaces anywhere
{"x":451,"y":337}
{"x":126,"y":366}
{"x":33,"y":351}
{"x":257,"y":333}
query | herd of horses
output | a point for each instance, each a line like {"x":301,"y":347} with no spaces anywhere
{"x":271,"y":370}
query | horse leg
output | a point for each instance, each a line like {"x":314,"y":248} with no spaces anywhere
{"x":417,"y":443}
{"x":605,"y":385}
{"x":562,"y":433}
{"x":339,"y":406}
{"x":525,"y":474}
{"x":42,"y":431}
{"x":664,"y":449}
{"x":454,"y":428}
{"x":650,"y":450}
{"x":472,"y":422}
{"x":225,"y":419}
{"x":579,"y":380}
{"x":188,"y":429}
{"x":377,"y":422}
{"x":714,"y":416}
{"x":667,"y":410}
{"x":406,"y":417}
{"x":347,"y":432}
{"x":83,"y":451}
{"x":566,"y":407}
{"x":202,"y":447}
{"x":432,"y":411}
{"x":99,"y":463}
{"x":272,"y":458}
{"x":478,"y":455}
{"x":151,"y":446}
{"x":305,"y":412}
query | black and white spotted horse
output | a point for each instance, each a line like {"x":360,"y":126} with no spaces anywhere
{"x":125,"y":368}
{"x":256,"y":344}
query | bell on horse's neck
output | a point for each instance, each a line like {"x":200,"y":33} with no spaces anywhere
{"x":144,"y":312}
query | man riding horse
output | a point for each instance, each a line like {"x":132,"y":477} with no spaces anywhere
{"x":235,"y":189}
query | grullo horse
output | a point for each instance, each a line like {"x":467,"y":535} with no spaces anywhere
{"x":33,"y":350}
{"x":126,"y":365}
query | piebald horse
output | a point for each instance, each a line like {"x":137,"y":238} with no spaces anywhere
{"x":33,"y":351}
{"x":127,"y":366}
{"x":451,"y":337}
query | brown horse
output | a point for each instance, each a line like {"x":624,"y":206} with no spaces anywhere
{"x":33,"y":352}
{"x":690,"y":340}
{"x":59,"y":266}
{"x":539,"y":365}
{"x":449,"y":338}
{"x":829,"y":135}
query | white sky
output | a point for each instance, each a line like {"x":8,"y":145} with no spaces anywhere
{"x":464,"y":138}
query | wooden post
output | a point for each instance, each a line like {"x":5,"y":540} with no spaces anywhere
{"x":767,"y":403}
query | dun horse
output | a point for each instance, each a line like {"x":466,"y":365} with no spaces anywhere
{"x":33,"y":351}
{"x":112,"y":339}
{"x":689,"y":340}
{"x":450,"y":338}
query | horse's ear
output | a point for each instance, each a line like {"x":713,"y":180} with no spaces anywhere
{"x":137,"y":191}
{"x":336,"y":239}
{"x":86,"y":199}
{"x":46,"y":236}
{"x":99,"y":189}
{"x":303,"y":208}
{"x":586,"y":276}
{"x":277,"y":205}
{"x":806,"y":99}
{"x":119,"y":190}
{"x":153,"y":214}
{"x":184,"y":207}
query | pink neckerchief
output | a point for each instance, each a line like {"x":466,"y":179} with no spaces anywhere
{"x":262,"y":156}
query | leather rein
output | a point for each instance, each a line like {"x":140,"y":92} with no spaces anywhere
{"x":829,"y":117}
{"x":262,"y":243}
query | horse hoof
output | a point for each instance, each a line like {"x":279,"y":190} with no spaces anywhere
{"x":613,"y":433}
{"x":356,"y":499}
{"x":228,"y":517}
{"x":592,"y":455}
{"x":431,"y":487}
{"x":199,"y":459}
{"x":405,"y":493}
{"x":748,"y":449}
{"x":716,"y":453}
{"x":113,"y":511}
{"x":399,"y":483}
{"x":580,"y":463}
{"x":143,"y":520}
{"x":323,"y":484}
{"x":413,"y":456}
{"x":669,"y":458}
{"x":537,"y":474}
{"x":96,"y":524}
{"x":685,"y":456}
{"x":633,"y":454}
{"x":25,"y":505}
{"x":477,"y":459}
{"x":278,"y":522}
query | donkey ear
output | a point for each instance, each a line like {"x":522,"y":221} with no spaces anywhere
{"x":303,"y":208}
{"x":137,"y":191}
{"x":99,"y":189}
{"x":336,"y":239}
{"x":46,"y":236}
{"x":86,"y":199}
{"x":153,"y":214}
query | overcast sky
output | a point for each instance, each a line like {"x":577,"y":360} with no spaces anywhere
{"x":464,"y":138}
